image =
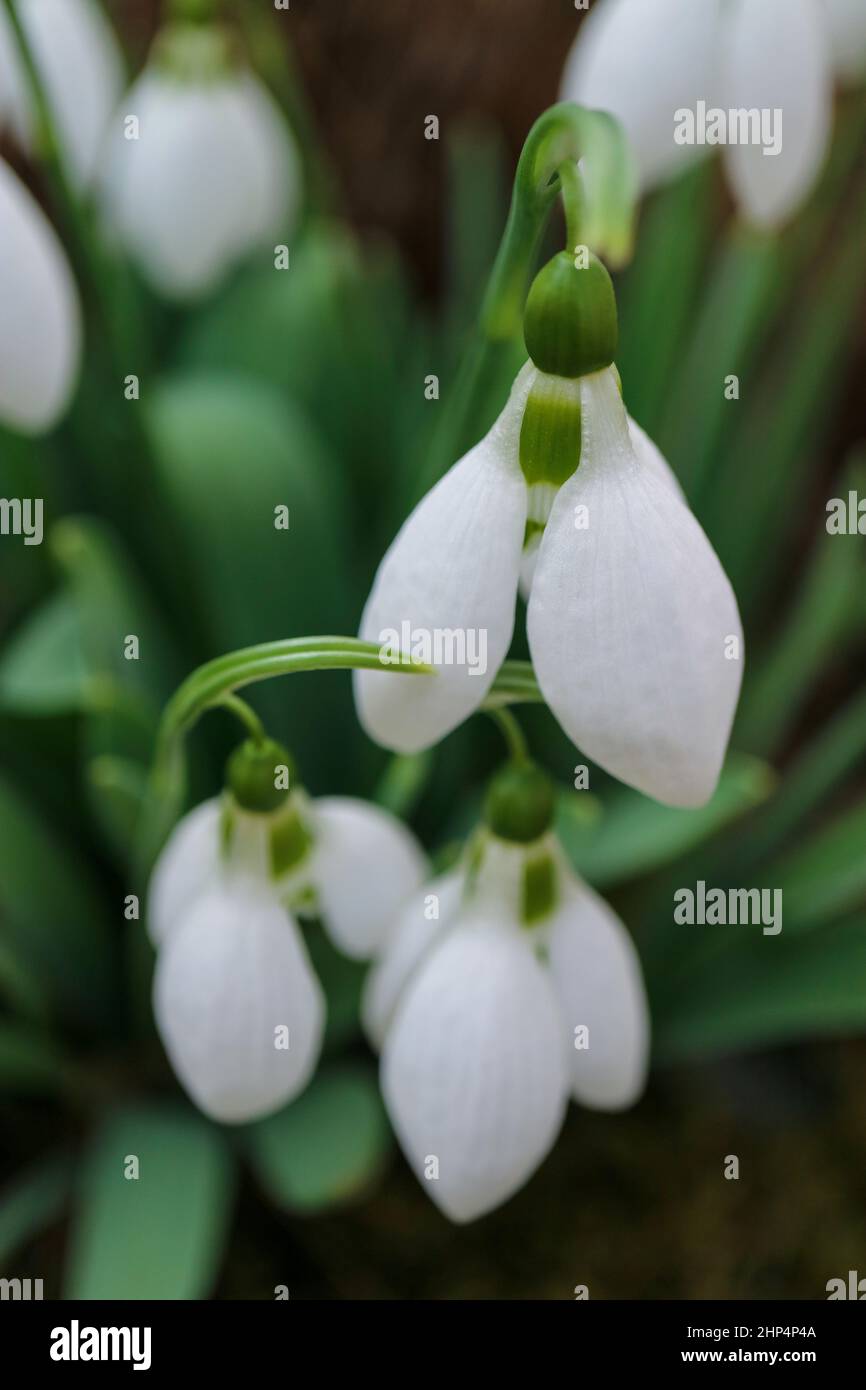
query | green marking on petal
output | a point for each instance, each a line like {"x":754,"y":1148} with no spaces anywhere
{"x":289,"y":841}
{"x":539,"y":889}
{"x":550,"y":433}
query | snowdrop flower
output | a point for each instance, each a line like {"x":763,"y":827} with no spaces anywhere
{"x":206,"y":172}
{"x":633,"y":627}
{"x":238,"y":1006}
{"x":648,"y":61}
{"x":504,"y":989}
{"x":40,"y":323}
{"x":80,"y":63}
{"x":846,"y":27}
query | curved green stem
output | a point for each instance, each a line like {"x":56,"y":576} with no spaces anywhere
{"x":215,"y":684}
{"x":515,"y":684}
{"x":511,"y":732}
{"x":563,"y":136}
{"x":247,"y":716}
{"x":573,"y":200}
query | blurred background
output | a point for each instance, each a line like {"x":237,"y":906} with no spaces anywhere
{"x":308,"y":388}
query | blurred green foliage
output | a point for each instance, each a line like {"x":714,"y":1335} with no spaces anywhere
{"x":306,"y":389}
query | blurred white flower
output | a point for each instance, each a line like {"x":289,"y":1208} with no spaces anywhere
{"x":211,"y":174}
{"x":81,"y":66}
{"x":645,"y":60}
{"x":40,"y":317}
{"x":489,"y":1023}
{"x":633,"y":627}
{"x":232,"y":968}
{"x":846,"y":21}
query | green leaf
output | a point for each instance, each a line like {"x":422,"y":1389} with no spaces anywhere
{"x":833,"y":753}
{"x":159,"y":1235}
{"x":30,"y":1063}
{"x":113,"y":604}
{"x":658,"y":291}
{"x":20,"y":985}
{"x":826,"y":876}
{"x":776,"y":990}
{"x":636,"y":835}
{"x":332,"y":330}
{"x":826,"y":612}
{"x":785,"y":422}
{"x":52,"y":914}
{"x":115,"y":790}
{"x":477,"y":207}
{"x":342,"y":980}
{"x":43,"y":670}
{"x":402,"y":784}
{"x":728,"y":329}
{"x":32,"y":1201}
{"x":230,"y":451}
{"x":325,"y":1148}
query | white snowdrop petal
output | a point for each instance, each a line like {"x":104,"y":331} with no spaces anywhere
{"x":846,"y":26}
{"x":187,"y":867}
{"x":528,"y":561}
{"x":632,"y":623}
{"x":450,"y":576}
{"x":597,"y":976}
{"x":80,"y":63}
{"x":228,"y":980}
{"x":40,"y":319}
{"x":775,"y":56}
{"x":643,"y":60}
{"x":474,"y":1068}
{"x":650,"y":456}
{"x":366,"y":864}
{"x":425,"y":918}
{"x":212,"y":174}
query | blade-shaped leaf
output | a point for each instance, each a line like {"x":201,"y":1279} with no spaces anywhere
{"x":635,"y":835}
{"x":232,"y":452}
{"x":776,"y":990}
{"x":52,"y":914}
{"x":325,"y":1148}
{"x":43,"y":669}
{"x":30,"y":1063}
{"x":826,"y":876}
{"x":159,"y":1234}
{"x":32,"y":1201}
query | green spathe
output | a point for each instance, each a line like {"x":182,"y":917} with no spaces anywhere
{"x":570,"y":323}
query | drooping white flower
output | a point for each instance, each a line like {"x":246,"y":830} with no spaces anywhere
{"x":350,"y":862}
{"x":211,"y":171}
{"x":40,"y":317}
{"x":237,"y":1003}
{"x":524,"y":991}
{"x":633,"y":627}
{"x":80,"y":64}
{"x":647,"y":60}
